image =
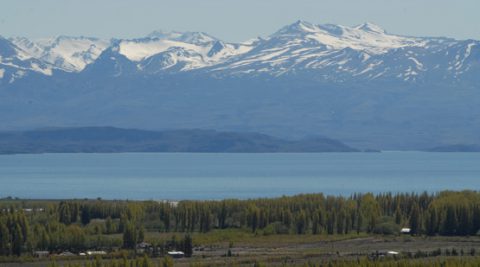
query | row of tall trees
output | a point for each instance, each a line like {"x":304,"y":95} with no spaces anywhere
{"x":78,"y":225}
{"x":446,"y":213}
{"x":14,"y":229}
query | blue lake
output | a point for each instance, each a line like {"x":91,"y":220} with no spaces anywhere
{"x":177,"y":176}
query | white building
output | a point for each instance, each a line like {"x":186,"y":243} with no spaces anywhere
{"x":176,"y":254}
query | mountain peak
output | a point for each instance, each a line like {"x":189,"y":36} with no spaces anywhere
{"x":197,"y":38}
{"x":370,"y":27}
{"x":161,"y":34}
{"x":298,"y":27}
{"x":303,"y":23}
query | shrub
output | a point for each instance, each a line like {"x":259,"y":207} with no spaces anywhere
{"x":386,"y":228}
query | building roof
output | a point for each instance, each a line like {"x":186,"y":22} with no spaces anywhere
{"x":176,"y":253}
{"x":99,"y":252}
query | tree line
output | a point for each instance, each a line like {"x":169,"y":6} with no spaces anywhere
{"x":81,"y":224}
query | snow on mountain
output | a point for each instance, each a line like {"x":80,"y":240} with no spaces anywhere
{"x":190,"y":50}
{"x":139,"y":49}
{"x":173,"y":59}
{"x":360,"y":84}
{"x":366,"y":37}
{"x":339,"y":53}
{"x":183,"y":57}
{"x":16,"y":63}
{"x":160,"y":34}
{"x":197,"y":38}
{"x":70,"y":54}
{"x":334,"y":52}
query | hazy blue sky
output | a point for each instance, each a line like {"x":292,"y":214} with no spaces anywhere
{"x":233,"y":20}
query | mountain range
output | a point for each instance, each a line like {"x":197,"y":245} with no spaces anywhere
{"x":360,"y":84}
{"x":113,"y":140}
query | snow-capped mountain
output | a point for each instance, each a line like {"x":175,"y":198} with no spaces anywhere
{"x":364,"y":52}
{"x":159,"y":51}
{"x":16,"y":63}
{"x":360,"y":84}
{"x":63,"y":52}
{"x":180,"y":51}
{"x":334,"y":52}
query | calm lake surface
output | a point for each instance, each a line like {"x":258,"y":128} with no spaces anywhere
{"x":177,"y":176}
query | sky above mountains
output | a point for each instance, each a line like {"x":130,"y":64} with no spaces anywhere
{"x":233,"y":21}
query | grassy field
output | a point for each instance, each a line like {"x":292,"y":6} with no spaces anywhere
{"x":246,"y":248}
{"x":246,"y":238}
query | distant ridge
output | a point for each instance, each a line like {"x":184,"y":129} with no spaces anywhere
{"x":361,"y":84}
{"x":111,"y":140}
